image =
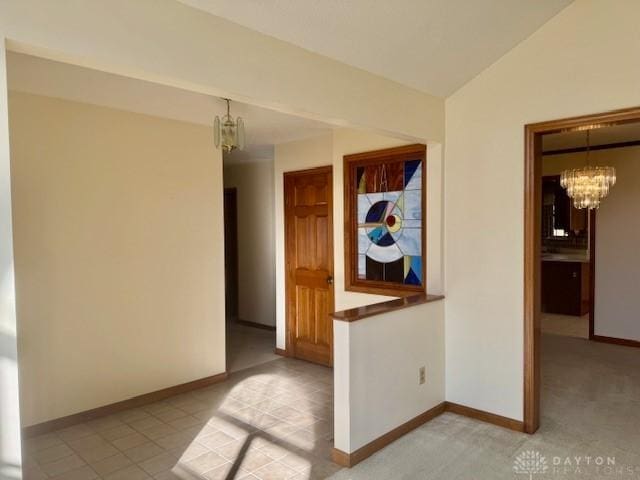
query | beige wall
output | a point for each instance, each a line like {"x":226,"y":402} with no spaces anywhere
{"x":376,"y":383}
{"x":617,"y":240}
{"x":573,"y":65}
{"x":256,"y":238}
{"x":9,"y":411}
{"x":167,"y":42}
{"x":329,"y":150}
{"x":119,"y":258}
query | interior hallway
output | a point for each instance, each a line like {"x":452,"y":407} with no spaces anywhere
{"x":249,"y":346}
{"x":590,"y":407}
{"x":273,"y":421}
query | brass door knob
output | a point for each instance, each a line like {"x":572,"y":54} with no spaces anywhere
{"x":330,"y":280}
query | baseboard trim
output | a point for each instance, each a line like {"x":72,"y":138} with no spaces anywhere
{"x":350,"y":459}
{"x":261,"y":326}
{"x":616,"y":341}
{"x":280,"y":351}
{"x":483,"y":416}
{"x":134,"y":402}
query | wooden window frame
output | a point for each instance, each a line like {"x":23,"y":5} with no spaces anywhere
{"x":351,"y":162}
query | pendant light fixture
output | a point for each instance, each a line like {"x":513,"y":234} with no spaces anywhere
{"x":227,"y":132}
{"x":588,"y":185}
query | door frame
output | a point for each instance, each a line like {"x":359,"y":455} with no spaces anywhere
{"x":532,"y":243}
{"x":287,"y":280}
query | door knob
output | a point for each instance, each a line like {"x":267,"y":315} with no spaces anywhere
{"x":330,"y":280}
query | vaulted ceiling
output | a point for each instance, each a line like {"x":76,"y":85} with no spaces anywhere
{"x":435,"y":46}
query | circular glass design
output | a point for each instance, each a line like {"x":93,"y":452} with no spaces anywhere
{"x":383,"y":219}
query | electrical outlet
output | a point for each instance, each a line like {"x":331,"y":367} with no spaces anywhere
{"x":423,"y":375}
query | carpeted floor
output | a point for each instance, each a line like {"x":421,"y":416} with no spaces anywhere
{"x":590,"y":410}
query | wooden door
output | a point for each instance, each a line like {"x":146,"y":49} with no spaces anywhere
{"x":309,"y":264}
{"x":231,"y":253}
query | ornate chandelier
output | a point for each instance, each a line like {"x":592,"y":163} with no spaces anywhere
{"x":228,"y":132}
{"x":587,"y":186}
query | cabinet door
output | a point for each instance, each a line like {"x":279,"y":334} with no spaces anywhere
{"x":561,"y":288}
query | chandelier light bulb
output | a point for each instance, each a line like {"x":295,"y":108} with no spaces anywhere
{"x":587,"y":186}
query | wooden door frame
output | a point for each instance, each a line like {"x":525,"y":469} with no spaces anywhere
{"x":287,"y":281}
{"x":532,"y":242}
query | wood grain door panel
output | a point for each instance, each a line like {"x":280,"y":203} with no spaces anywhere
{"x":309,"y":263}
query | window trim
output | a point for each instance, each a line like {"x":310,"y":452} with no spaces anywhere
{"x":350,"y":164}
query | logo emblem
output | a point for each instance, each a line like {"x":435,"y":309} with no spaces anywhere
{"x":530,"y":463}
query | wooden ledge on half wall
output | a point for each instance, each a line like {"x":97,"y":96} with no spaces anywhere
{"x":355,"y":314}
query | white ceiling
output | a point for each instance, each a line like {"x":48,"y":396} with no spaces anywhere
{"x":432,"y":45}
{"x":264,"y":127}
{"x":629,"y":132}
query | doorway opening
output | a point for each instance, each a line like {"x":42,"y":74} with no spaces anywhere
{"x":569,"y":299}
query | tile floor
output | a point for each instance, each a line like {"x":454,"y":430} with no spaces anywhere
{"x":273,"y":421}
{"x":249,"y":346}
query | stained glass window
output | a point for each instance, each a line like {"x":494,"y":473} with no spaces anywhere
{"x":387,"y":216}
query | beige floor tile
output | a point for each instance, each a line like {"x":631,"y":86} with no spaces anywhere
{"x":192,"y":406}
{"x":63,"y":465}
{"x":169,"y":414}
{"x":130,"y":441}
{"x":158,"y":464}
{"x":273,"y":449}
{"x":203,"y":463}
{"x":231,"y":450}
{"x":32,"y":472}
{"x":215,"y":440}
{"x":253,"y":460}
{"x":77,"y":431}
{"x":130,"y":473}
{"x":158,"y":431}
{"x":186,"y":422}
{"x":41,"y":442}
{"x":168,"y":475}
{"x":82,"y":473}
{"x":189,"y":452}
{"x":105,"y":423}
{"x":143,"y":452}
{"x":227,"y":471}
{"x":116,"y":432}
{"x":297,"y":461}
{"x":111,"y":464}
{"x":145,"y":423}
{"x":176,"y":440}
{"x":275,"y":471}
{"x":52,"y":453}
{"x":92,"y":448}
{"x":133,"y":415}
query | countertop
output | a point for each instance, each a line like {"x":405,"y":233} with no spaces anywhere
{"x":566,"y":257}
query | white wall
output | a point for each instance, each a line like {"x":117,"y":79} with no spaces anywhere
{"x":376,"y":367}
{"x":256,"y":238}
{"x":329,"y":150}
{"x":119,"y":254}
{"x":617,"y":240}
{"x":577,"y":63}
{"x":10,"y":459}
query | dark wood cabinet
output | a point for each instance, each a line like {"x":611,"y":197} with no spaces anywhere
{"x":565,"y":287}
{"x":559,"y":208}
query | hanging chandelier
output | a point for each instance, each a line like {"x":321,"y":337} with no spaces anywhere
{"x":227,"y":132}
{"x":588,"y":185}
